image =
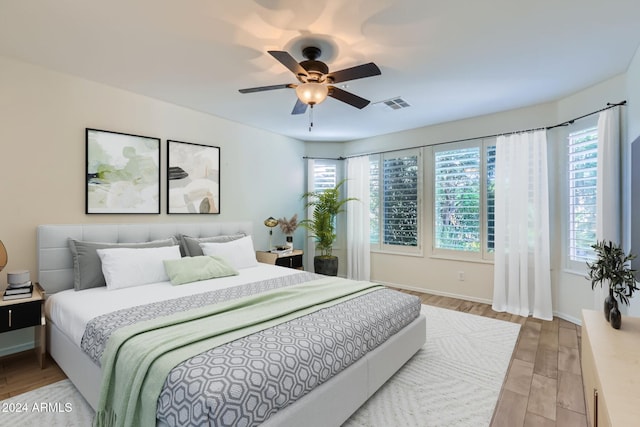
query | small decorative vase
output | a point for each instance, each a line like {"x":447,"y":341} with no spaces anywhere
{"x":609,"y":303}
{"x":290,"y":241}
{"x":615,"y":317}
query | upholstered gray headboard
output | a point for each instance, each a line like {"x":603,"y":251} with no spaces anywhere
{"x":55,"y":264}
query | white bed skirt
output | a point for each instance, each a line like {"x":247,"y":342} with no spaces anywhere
{"x":330,"y":404}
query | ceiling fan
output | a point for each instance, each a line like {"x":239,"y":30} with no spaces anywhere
{"x":316,"y":82}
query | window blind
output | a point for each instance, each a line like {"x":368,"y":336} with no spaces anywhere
{"x":400,"y":195}
{"x":457,"y":199}
{"x":325,"y":175}
{"x":374,"y":199}
{"x":583,"y":162}
{"x":491,"y":196}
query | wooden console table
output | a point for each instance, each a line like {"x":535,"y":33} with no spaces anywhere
{"x":611,"y":370}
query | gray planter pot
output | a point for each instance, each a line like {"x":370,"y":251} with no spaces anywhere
{"x":327,"y":266}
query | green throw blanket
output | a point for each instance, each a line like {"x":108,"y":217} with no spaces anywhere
{"x":139,"y":357}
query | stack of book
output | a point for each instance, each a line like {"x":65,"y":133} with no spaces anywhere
{"x":281,"y":250}
{"x":18,"y":291}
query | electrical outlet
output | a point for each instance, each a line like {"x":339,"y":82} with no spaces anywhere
{"x":461,"y":276}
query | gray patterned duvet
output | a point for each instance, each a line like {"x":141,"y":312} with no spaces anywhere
{"x":244,"y":382}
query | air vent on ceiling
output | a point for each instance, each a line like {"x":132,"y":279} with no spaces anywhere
{"x":396,"y":103}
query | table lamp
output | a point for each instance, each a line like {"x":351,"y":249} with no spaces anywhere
{"x":270,"y":222}
{"x":3,"y":256}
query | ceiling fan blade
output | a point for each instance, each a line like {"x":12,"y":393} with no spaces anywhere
{"x":263,"y":88}
{"x":299,"y":108}
{"x":357,"y":72}
{"x":288,"y":61}
{"x":348,"y":97}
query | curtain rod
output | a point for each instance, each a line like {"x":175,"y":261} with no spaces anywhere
{"x":565,"y":123}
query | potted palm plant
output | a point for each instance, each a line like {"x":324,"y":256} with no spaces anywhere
{"x":326,"y":204}
{"x":612,"y":267}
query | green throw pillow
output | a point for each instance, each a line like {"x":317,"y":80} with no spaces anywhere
{"x":193,"y":269}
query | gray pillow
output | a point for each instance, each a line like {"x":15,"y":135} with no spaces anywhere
{"x":87,"y":268}
{"x":191,"y":245}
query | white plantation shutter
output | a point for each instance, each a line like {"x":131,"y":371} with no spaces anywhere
{"x":374,"y":199}
{"x":321,"y":175}
{"x":583,"y":178}
{"x":457,"y":201}
{"x":325,"y":175}
{"x":400,"y":207}
{"x":395,"y":198}
{"x":490,"y":196}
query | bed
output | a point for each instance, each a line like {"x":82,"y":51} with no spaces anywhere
{"x":327,"y":400}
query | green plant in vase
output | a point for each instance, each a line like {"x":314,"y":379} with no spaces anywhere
{"x":326,"y":204}
{"x":612,"y":267}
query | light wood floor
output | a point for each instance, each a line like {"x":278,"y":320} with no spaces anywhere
{"x":543,"y":386}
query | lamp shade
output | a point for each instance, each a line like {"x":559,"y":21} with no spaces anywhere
{"x":312,"y":93}
{"x":271,"y":222}
{"x":3,"y":256}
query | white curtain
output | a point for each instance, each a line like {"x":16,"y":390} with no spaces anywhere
{"x":608,"y":208}
{"x":358,"y":257}
{"x":522,"y":276}
{"x":310,"y":251}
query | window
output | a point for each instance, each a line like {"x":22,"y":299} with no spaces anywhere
{"x":491,"y":196}
{"x":463,"y":206}
{"x":582,"y":180}
{"x":457,"y":199}
{"x":325,"y":175}
{"x":395,"y":188}
{"x":374,"y":200}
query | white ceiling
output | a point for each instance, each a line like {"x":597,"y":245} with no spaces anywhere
{"x":448,"y":59}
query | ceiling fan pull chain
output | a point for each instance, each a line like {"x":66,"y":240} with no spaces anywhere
{"x":310,"y":117}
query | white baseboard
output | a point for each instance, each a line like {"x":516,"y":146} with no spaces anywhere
{"x":5,"y":351}
{"x":435,"y":292}
{"x":563,"y":316}
{"x":568,"y":318}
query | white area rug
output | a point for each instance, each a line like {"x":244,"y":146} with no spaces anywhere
{"x":58,"y":404}
{"x":454,"y":380}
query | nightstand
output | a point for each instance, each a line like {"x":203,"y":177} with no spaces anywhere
{"x":291,"y":260}
{"x":23,"y":313}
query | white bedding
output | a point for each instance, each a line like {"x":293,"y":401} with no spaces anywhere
{"x":71,"y":310}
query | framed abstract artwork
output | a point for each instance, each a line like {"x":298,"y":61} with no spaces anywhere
{"x":193,"y":178}
{"x":123,"y":173}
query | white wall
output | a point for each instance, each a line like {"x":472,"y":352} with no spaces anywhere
{"x":42,"y":164}
{"x":633,"y":96}
{"x":442,"y":274}
{"x":571,"y":291}
{"x":633,"y":132}
{"x":514,"y":120}
{"x":43,"y":159}
{"x":426,"y":272}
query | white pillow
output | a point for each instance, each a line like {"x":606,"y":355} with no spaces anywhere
{"x":238,"y":253}
{"x":128,"y":267}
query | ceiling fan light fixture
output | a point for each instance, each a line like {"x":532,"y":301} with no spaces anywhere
{"x":312,"y":93}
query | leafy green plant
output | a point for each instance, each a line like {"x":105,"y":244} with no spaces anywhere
{"x":612,"y":267}
{"x":326,"y":204}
